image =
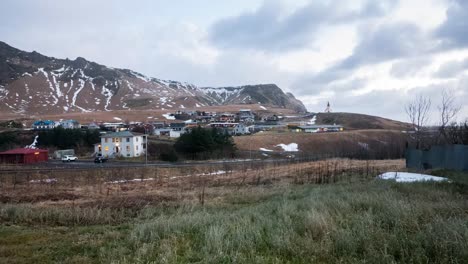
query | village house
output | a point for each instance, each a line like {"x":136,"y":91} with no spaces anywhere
{"x":316,"y":128}
{"x":121,"y":144}
{"x":226,"y":118}
{"x":116,"y":126}
{"x":44,"y":125}
{"x":162,"y":132}
{"x":177,"y":129}
{"x":242,"y":129}
{"x":93,"y":126}
{"x":69,"y":124}
{"x":246,"y":115}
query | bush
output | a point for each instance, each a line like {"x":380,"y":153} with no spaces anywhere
{"x":206,"y":143}
{"x":164,"y":152}
{"x":169,"y":156}
{"x":8,"y":140}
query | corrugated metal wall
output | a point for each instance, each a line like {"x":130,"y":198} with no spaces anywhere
{"x":453,"y":157}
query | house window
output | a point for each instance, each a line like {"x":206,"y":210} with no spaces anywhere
{"x":137,"y":148}
{"x":105,"y":140}
{"x":136,"y":139}
{"x":128,"y":148}
{"x":107,"y":148}
{"x":113,"y":140}
{"x":128,"y":139}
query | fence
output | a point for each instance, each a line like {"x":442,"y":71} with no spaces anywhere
{"x":454,"y":157}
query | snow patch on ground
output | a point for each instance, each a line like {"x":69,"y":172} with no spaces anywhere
{"x":118,"y":118}
{"x":169,"y":116}
{"x":213,"y":173}
{"x":128,"y":181}
{"x":44,"y":181}
{"x":293,"y":147}
{"x":410,"y":177}
{"x":266,"y":150}
{"x":313,"y":120}
{"x":262,"y":107}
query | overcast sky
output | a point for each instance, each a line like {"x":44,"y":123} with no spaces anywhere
{"x":363,"y":56}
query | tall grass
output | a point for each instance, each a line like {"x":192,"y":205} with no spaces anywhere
{"x":377,"y":222}
{"x":357,"y":222}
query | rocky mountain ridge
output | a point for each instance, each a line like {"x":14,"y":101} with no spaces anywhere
{"x":31,"y":83}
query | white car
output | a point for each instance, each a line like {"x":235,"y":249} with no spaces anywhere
{"x":68,"y":158}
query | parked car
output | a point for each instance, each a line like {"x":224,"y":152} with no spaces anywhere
{"x":100,"y":160}
{"x":68,"y":158}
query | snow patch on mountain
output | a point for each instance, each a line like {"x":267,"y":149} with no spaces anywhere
{"x":108,"y":94}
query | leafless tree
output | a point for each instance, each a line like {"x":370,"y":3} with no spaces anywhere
{"x":448,"y":110}
{"x":418,"y":113}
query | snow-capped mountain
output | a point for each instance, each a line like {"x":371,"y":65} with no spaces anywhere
{"x":32,"y":83}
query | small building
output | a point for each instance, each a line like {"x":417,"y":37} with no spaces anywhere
{"x":121,"y":144}
{"x":162,"y":131}
{"x":226,"y":118}
{"x":241,"y":129}
{"x":223,"y":125}
{"x":318,"y":128}
{"x":246,"y":114}
{"x":93,"y":126}
{"x":70,"y":124}
{"x":115,"y":126}
{"x":58,"y":154}
{"x":177,"y":126}
{"x":44,"y":125}
{"x":24,"y":156}
{"x":159,"y":125}
{"x":176,"y":134}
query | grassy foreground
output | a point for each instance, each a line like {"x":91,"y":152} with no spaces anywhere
{"x":359,"y":222}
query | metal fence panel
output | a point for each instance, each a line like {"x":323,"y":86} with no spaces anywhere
{"x":453,"y":157}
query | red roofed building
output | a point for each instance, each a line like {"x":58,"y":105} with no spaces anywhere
{"x":24,"y":156}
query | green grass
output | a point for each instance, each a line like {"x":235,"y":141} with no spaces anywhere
{"x":360,"y":222}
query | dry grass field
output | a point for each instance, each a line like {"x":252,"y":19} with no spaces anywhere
{"x":331,"y":211}
{"x":379,"y":143}
{"x":151,"y":185}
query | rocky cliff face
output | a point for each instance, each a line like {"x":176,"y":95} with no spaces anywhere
{"x":32,"y":83}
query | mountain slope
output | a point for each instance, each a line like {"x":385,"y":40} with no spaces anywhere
{"x":31,"y":83}
{"x":253,"y":94}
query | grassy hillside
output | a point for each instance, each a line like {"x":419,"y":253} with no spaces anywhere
{"x":375,"y":143}
{"x":355,"y":221}
{"x":360,"y":121}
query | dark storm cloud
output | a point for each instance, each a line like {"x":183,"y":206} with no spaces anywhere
{"x":386,"y":42}
{"x":454,"y":31}
{"x":267,"y":29}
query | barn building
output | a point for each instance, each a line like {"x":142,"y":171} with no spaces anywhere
{"x":24,"y":156}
